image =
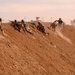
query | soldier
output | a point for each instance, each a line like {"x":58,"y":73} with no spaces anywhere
{"x":60,"y":22}
{"x":23,"y":22}
{"x":0,"y":21}
{"x":40,"y":27}
{"x":1,"y":26}
{"x":53,"y":26}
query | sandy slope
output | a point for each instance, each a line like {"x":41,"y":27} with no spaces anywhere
{"x":25,"y":54}
{"x":59,"y":33}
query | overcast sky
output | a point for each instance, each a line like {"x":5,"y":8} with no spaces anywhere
{"x":45,"y":9}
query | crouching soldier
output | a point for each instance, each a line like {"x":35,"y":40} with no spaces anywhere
{"x":41,"y":28}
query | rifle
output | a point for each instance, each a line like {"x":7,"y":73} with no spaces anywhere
{"x":10,"y":21}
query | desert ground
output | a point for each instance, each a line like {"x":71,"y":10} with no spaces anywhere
{"x":25,"y":54}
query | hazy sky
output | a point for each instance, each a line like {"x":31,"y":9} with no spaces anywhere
{"x":45,"y":9}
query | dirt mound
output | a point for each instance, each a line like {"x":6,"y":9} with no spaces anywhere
{"x":59,"y":33}
{"x":25,"y":54}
